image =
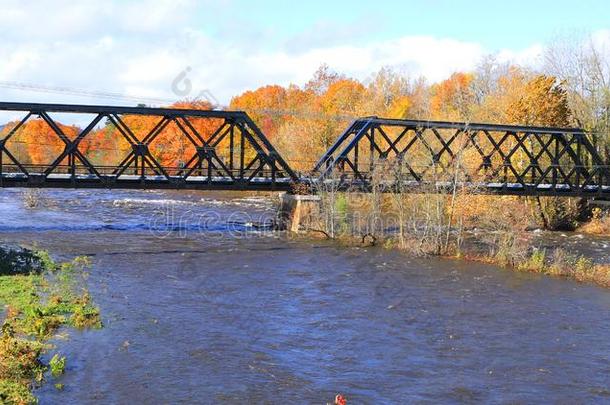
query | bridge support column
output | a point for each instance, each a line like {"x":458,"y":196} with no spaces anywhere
{"x":297,"y":213}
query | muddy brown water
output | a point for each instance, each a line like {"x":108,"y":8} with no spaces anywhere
{"x":202,"y":304}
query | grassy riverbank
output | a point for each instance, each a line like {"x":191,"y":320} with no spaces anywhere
{"x":555,"y":262}
{"x":38,"y":297}
{"x":499,"y":230}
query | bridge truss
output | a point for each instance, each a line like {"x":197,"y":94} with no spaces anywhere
{"x":213,"y":149}
{"x":516,"y":160}
{"x":171,"y":148}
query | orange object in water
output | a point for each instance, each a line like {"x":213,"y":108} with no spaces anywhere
{"x":340,"y":400}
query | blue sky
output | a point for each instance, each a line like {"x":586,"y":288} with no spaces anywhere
{"x":500,"y":24}
{"x":139,"y":48}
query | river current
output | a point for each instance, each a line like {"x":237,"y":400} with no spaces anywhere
{"x":203,"y":303}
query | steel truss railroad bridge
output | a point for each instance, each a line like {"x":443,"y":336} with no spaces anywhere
{"x":387,"y":154}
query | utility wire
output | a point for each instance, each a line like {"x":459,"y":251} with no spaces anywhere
{"x":166,"y":101}
{"x":82,"y":92}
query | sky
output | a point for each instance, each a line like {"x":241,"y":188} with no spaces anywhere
{"x":158,"y":51}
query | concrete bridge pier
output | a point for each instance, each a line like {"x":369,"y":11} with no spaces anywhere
{"x":298,"y":213}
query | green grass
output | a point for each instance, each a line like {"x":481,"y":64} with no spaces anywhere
{"x":37,"y":297}
{"x":19,"y":291}
{"x":57,"y":365}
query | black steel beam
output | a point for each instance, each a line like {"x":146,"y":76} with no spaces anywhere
{"x":470,"y":126}
{"x":147,"y":184}
{"x":101,"y":109}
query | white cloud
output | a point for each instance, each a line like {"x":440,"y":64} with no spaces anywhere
{"x":86,"y":19}
{"x":139,"y":47}
{"x":15,"y":60}
{"x":153,"y":68}
{"x":531,"y":56}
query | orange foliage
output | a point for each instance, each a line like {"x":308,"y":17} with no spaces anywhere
{"x":171,"y":147}
{"x":40,"y":141}
{"x":263,"y":105}
{"x":342,"y":97}
{"x":482,"y":211}
{"x":451,"y":98}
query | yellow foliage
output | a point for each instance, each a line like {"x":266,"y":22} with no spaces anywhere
{"x":400,"y":107}
{"x":452,"y":98}
{"x":482,"y":211}
{"x":544,"y":102}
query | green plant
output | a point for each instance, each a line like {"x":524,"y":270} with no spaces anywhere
{"x":41,"y":296}
{"x":536,"y":262}
{"x":57,"y":365}
{"x":583,"y":267}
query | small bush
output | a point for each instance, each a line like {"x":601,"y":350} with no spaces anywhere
{"x":57,"y":365}
{"x":599,"y":224}
{"x":536,"y":262}
{"x":560,"y":213}
{"x":20,"y":367}
{"x":42,"y":296}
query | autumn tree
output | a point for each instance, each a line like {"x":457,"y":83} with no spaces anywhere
{"x":38,"y":143}
{"x":322,"y":79}
{"x":267,"y":106}
{"x":544,"y":102}
{"x":488,"y":76}
{"x":303,"y":122}
{"x":453,"y":98}
{"x":388,"y":95}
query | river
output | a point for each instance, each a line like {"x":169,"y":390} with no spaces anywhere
{"x":203,"y":304}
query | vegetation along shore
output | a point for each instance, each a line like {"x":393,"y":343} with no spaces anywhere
{"x":40,"y":298}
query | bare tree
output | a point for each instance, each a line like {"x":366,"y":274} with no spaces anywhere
{"x":584,"y":67}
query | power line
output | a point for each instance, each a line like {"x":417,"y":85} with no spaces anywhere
{"x":82,"y":92}
{"x":344,"y":116}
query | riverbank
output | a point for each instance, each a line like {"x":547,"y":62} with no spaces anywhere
{"x":509,"y":241}
{"x":556,"y":263}
{"x":498,"y":230}
{"x":39,"y":298}
{"x":550,"y":261}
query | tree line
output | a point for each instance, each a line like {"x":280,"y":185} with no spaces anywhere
{"x":572,"y":88}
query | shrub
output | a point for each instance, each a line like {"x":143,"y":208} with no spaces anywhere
{"x":536,"y":262}
{"x":57,"y":365}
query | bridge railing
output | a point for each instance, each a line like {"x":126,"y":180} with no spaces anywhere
{"x":492,"y":158}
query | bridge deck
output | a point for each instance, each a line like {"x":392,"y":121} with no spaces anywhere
{"x":158,"y":182}
{"x":152,"y":182}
